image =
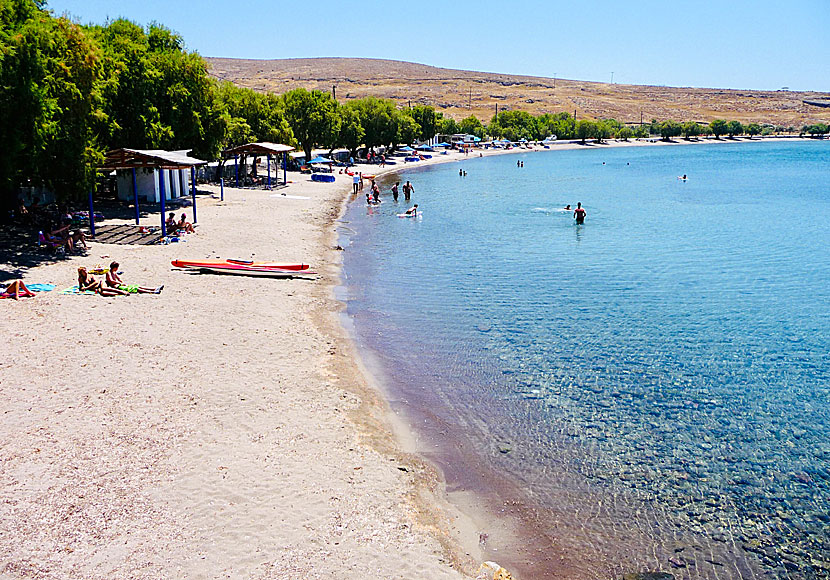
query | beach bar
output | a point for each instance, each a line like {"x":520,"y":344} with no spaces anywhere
{"x":158,"y":174}
{"x":277,"y":150}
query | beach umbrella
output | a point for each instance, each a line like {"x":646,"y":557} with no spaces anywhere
{"x":320,"y":159}
{"x":406,"y":148}
{"x":424,"y":148}
{"x":441,"y":144}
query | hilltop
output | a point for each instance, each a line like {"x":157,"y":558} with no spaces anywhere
{"x":459,"y":93}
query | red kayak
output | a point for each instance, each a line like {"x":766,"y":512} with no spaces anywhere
{"x":217,"y":267}
{"x":248,"y":263}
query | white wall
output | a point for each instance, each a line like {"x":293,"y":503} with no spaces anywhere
{"x":147,"y":184}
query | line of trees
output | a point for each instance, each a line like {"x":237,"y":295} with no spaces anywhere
{"x":68,"y":93}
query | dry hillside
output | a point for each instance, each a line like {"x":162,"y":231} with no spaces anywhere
{"x":458,"y":93}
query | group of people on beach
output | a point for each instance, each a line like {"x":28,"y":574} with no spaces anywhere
{"x":181,"y":225}
{"x":112,"y":284}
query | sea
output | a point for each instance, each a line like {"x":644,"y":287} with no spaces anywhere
{"x":645,"y":392}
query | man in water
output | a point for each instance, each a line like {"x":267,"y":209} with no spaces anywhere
{"x":355,"y":181}
{"x":395,"y":190}
{"x":579,"y":213}
{"x":412,"y":210}
{"x":407,"y":190}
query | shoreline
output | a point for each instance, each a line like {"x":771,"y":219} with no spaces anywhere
{"x":227,"y":426}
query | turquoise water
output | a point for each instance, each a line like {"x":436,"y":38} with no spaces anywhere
{"x":655,"y":383}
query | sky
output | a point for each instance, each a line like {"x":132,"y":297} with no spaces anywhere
{"x":741,"y":44}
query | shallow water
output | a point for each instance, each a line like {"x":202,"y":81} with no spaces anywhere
{"x":655,"y":381}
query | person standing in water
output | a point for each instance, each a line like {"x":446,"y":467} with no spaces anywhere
{"x":407,"y":190}
{"x":395,"y":190}
{"x":579,"y":213}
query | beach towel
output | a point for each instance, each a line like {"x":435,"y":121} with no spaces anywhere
{"x":75,"y":290}
{"x":40,"y":287}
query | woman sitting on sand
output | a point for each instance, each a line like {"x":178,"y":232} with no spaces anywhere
{"x":86,"y":283}
{"x":114,"y":281}
{"x":171,"y":223}
{"x":185,"y":225}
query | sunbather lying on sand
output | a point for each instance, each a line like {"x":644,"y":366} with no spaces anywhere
{"x":114,"y":281}
{"x":87,"y":283}
{"x":15,"y":290}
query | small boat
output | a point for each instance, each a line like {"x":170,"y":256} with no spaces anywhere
{"x":249,"y":263}
{"x":219,"y":267}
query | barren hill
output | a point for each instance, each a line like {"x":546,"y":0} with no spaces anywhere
{"x":459,"y":93}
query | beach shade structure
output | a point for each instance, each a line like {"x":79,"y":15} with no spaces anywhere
{"x":320,"y":159}
{"x":406,"y":149}
{"x":156,"y":159}
{"x":261,"y":149}
{"x":441,"y":144}
{"x":424,"y":148}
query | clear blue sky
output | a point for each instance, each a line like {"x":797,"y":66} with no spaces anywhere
{"x":747,"y":44}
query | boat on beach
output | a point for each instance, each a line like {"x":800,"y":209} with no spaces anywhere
{"x":249,"y":263}
{"x":243,"y":268}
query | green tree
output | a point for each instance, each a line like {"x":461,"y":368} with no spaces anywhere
{"x":446,"y":125}
{"x":313,"y":118}
{"x":753,"y":129}
{"x":156,"y":94}
{"x":625,"y":133}
{"x":669,"y":129}
{"x":351,"y":131}
{"x":691,"y":129}
{"x":407,"y":129}
{"x":378,"y":119}
{"x":603,"y":130}
{"x":262,"y":113}
{"x":472,"y":126}
{"x":514,"y":125}
{"x":585,"y":129}
{"x":560,"y":124}
{"x":734,"y":128}
{"x":49,"y":102}
{"x":718,"y":127}
{"x":816,"y":130}
{"x":427,"y":121}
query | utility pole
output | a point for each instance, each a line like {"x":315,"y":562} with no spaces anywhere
{"x":612,"y":77}
{"x":334,"y":92}
{"x":470,"y":103}
{"x":554,"y":81}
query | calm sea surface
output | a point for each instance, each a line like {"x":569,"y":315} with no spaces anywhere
{"x":654,"y":384}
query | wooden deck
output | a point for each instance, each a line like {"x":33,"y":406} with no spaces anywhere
{"x":125,"y":234}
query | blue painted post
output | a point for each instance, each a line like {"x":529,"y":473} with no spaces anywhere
{"x":221,"y":189}
{"x":284,"y":165}
{"x":91,"y":216}
{"x":193,"y":190}
{"x":135,"y":200}
{"x":236,"y":168}
{"x":268,"y":164}
{"x":162,"y":195}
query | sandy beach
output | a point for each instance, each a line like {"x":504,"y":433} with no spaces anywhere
{"x":221,"y":429}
